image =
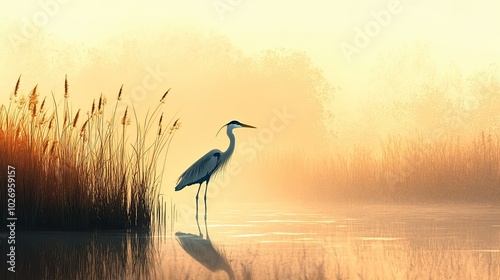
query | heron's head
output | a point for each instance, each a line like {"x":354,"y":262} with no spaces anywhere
{"x":235,"y":124}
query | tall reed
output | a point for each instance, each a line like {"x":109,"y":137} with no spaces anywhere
{"x":79,"y":170}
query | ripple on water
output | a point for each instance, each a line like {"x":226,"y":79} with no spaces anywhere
{"x":229,"y":225}
{"x":369,"y":238}
{"x":293,"y":233}
{"x":250,"y":235}
{"x":487,"y":251}
{"x":281,"y":221}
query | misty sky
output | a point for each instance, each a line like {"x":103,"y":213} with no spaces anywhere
{"x":298,"y":70}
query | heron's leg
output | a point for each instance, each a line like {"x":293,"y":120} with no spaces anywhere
{"x":205,"y":198}
{"x":199,"y":187}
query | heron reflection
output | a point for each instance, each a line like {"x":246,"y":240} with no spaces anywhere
{"x":203,"y":251}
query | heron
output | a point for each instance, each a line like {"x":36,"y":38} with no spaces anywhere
{"x":211,"y":163}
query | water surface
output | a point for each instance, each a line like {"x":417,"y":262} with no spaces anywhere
{"x":348,"y":242}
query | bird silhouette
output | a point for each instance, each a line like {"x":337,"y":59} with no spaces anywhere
{"x":211,"y":163}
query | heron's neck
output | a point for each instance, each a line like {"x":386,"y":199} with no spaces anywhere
{"x":232,"y":142}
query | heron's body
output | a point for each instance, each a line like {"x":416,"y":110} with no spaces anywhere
{"x":211,"y":163}
{"x":200,"y":171}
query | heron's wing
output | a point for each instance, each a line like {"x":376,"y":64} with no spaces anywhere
{"x":199,"y":171}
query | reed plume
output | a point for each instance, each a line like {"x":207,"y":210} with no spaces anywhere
{"x":164,"y":95}
{"x":66,"y":93}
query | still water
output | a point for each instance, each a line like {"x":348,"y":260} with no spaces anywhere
{"x":348,"y":242}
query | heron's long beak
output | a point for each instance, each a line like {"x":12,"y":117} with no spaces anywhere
{"x":242,"y":125}
{"x":246,"y":125}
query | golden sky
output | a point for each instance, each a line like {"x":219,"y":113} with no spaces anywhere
{"x":283,"y":66}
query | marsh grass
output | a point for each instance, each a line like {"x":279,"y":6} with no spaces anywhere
{"x":81,"y":170}
{"x":407,"y":170}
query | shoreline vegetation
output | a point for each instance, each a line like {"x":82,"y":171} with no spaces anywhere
{"x":408,"y":170}
{"x":81,"y":171}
